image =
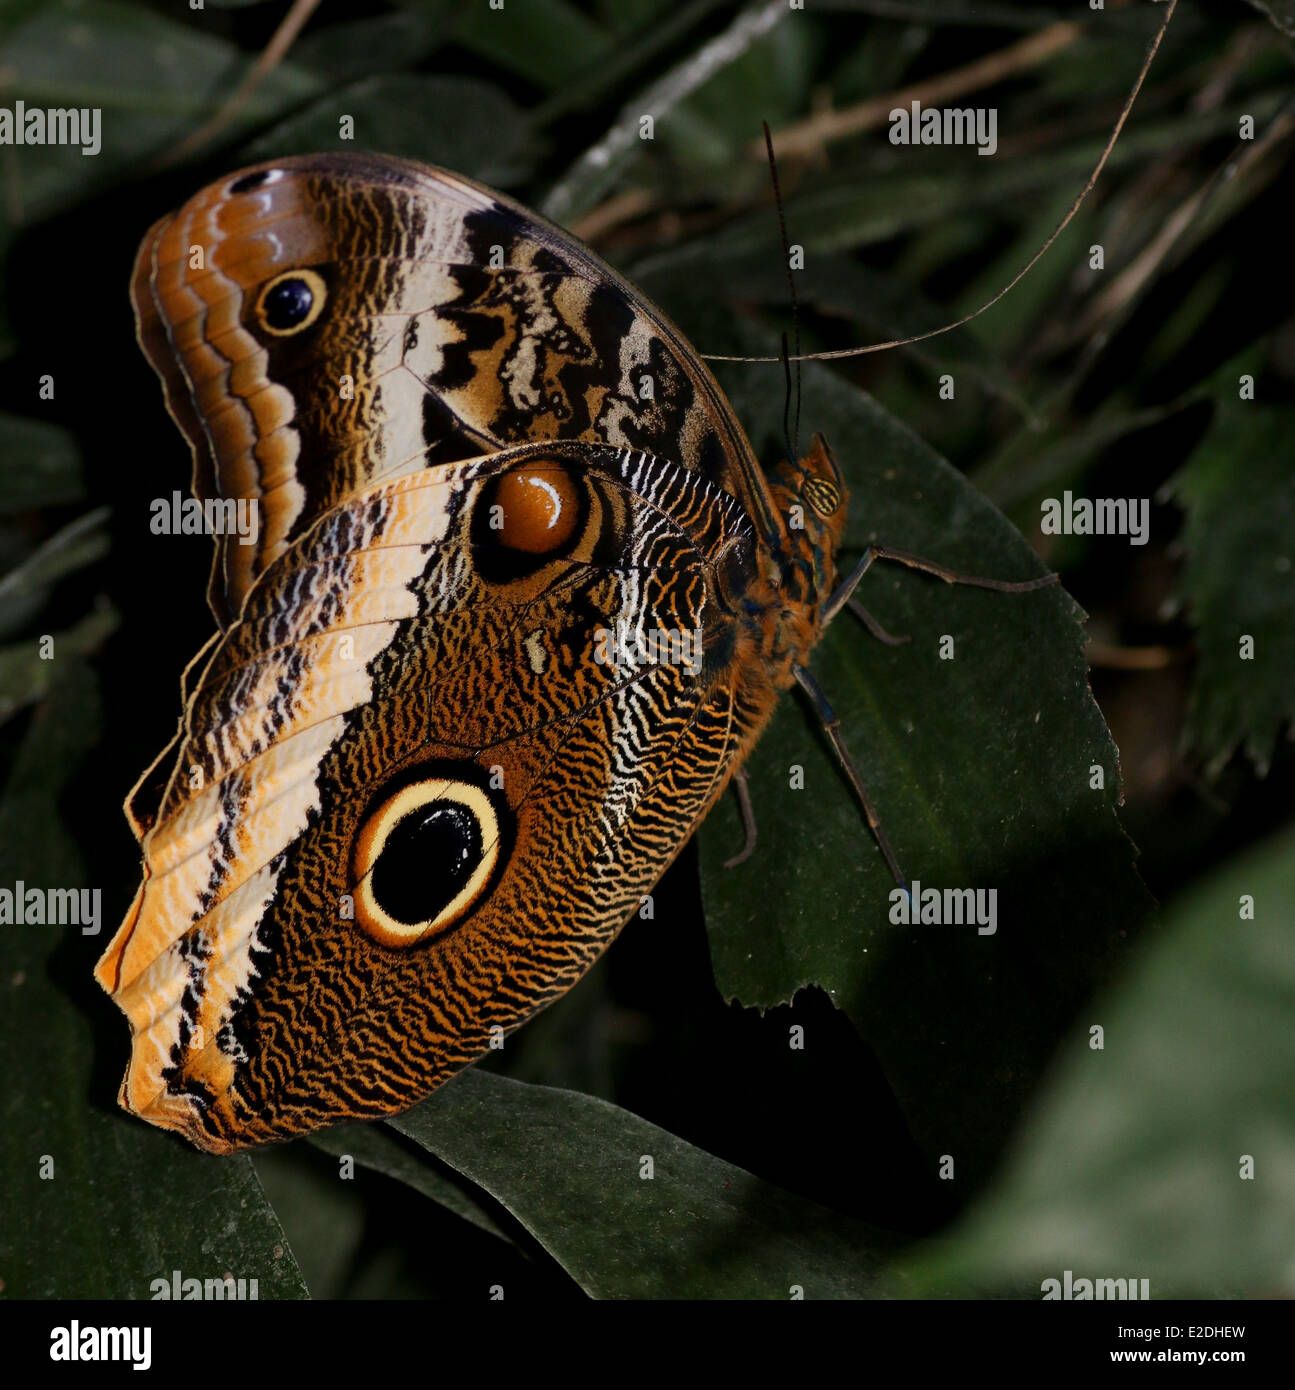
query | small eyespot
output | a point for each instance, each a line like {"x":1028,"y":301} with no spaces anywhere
{"x":424,"y":858}
{"x":254,"y":180}
{"x":291,"y":302}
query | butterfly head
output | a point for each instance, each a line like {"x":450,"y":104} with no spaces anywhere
{"x":811,"y":499}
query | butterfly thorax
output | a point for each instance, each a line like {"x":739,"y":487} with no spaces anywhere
{"x":798,"y":570}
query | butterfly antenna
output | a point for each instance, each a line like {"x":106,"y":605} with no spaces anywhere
{"x":794,"y":435}
{"x":1020,"y":274}
{"x":786,"y":404}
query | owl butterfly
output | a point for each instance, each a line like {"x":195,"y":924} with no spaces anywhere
{"x":508,"y":626}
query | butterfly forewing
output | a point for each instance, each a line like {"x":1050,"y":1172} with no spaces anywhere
{"x":327,"y":321}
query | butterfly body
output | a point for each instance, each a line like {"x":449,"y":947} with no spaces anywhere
{"x":519,"y":604}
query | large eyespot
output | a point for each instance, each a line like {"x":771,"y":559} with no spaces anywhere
{"x":528,"y":517}
{"x":821,"y":494}
{"x":539,"y":509}
{"x":426,"y":855}
{"x":291,"y":302}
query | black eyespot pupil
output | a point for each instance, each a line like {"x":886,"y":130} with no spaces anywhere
{"x":287,"y":304}
{"x":249,"y":181}
{"x":428,"y":857}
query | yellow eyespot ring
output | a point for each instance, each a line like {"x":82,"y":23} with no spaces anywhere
{"x":291,"y":302}
{"x":473,"y":813}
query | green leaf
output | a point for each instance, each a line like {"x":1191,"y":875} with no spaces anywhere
{"x":980,"y":769}
{"x":1031,"y":465}
{"x":122,"y":1204}
{"x":24,"y":589}
{"x":641,"y":42}
{"x":948,"y":12}
{"x":154,"y":80}
{"x":373,"y":1147}
{"x":1132,"y":1163}
{"x":323,"y":1217}
{"x":17,"y":609}
{"x":1280,"y":12}
{"x":548,"y":42}
{"x":716,"y":124}
{"x":1018,"y":320}
{"x":42,"y":465}
{"x":604,"y":163}
{"x":386,"y":43}
{"x":568,"y":1168}
{"x":1239,"y":492}
{"x":853,"y":206}
{"x":26,"y":676}
{"x":461,"y":123}
{"x":881,"y":305}
{"x":633,"y":14}
{"x":79,"y":543}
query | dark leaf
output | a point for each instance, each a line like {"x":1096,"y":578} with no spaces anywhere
{"x":1281,"y":12}
{"x":27,"y":674}
{"x":1239,"y":492}
{"x":548,"y":42}
{"x":371,"y":1146}
{"x":42,"y":465}
{"x":1133,"y":1164}
{"x":460,"y":123}
{"x":108,"y":1204}
{"x":153,"y":80}
{"x":79,"y":543}
{"x":569,"y":1169}
{"x":386,"y":43}
{"x":980,"y":767}
{"x":604,"y":163}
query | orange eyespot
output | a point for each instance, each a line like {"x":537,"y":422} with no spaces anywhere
{"x":538,"y":509}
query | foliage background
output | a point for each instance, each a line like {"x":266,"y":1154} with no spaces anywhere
{"x":817,"y":1168}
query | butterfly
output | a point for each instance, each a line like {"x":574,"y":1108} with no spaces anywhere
{"x":519,"y":602}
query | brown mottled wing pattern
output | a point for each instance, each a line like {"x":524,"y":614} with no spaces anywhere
{"x":405,"y":640}
{"x":456,"y":322}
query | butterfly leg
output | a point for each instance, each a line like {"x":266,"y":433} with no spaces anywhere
{"x":832,"y":728}
{"x":918,"y":562}
{"x":743,"y":790}
{"x":873,"y":625}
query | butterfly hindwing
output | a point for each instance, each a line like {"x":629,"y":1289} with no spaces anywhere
{"x":463,"y":723}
